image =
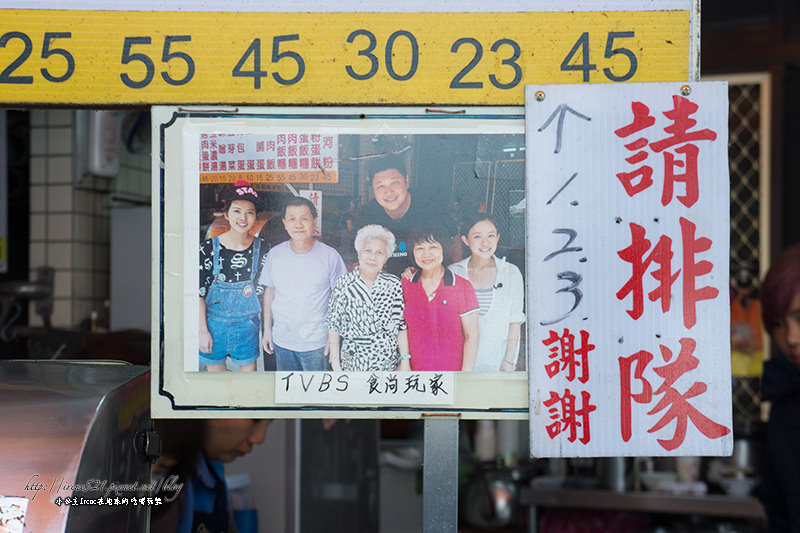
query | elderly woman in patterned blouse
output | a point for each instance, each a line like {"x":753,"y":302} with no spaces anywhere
{"x":366,"y":329}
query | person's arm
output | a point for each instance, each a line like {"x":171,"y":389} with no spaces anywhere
{"x":516,"y":292}
{"x":206,"y":342}
{"x":335,"y":315}
{"x":469,"y":327}
{"x":409,"y":272}
{"x":404,"y":365}
{"x":338,"y":269}
{"x":269,"y":295}
{"x":332,"y":347}
{"x":509,"y":363}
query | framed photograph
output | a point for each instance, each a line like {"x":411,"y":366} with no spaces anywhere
{"x":339,"y":262}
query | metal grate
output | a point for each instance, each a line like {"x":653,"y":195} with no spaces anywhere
{"x":745,"y":149}
{"x":508,"y":201}
{"x":744,"y":156}
{"x":471,"y":185}
{"x":496,"y":188}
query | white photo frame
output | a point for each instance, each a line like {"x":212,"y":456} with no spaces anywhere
{"x":179,"y":389}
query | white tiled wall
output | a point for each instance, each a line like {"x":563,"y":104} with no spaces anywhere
{"x":69,"y":226}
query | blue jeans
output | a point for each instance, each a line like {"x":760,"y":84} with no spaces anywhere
{"x":234,"y":336}
{"x":292,"y":360}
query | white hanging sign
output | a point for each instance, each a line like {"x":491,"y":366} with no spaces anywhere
{"x":628,"y":194}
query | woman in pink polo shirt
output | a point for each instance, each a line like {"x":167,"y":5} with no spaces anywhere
{"x":441,"y":308}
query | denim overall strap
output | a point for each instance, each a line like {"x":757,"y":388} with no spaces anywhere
{"x":232,"y":300}
{"x":256,"y":260}
{"x":215,"y":254}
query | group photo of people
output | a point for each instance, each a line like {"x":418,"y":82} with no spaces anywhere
{"x":412,"y":261}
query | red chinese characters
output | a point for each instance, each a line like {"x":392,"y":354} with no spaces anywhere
{"x":567,"y":357}
{"x":285,"y":152}
{"x":570,"y":413}
{"x":673,"y":405}
{"x":641,"y":178}
{"x":640,"y":260}
{"x":680,"y":164}
{"x":640,"y":257}
{"x":672,"y":398}
{"x":569,"y":416}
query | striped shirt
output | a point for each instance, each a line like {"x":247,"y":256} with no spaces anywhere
{"x":484,"y":300}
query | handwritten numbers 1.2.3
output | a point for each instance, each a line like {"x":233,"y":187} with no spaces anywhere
{"x":578,"y":58}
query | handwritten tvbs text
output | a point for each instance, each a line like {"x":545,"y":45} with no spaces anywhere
{"x":365,"y":388}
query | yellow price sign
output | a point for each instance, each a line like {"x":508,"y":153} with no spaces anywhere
{"x":108,"y":57}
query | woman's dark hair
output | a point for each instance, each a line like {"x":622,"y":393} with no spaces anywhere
{"x":227,"y":205}
{"x":473,"y":218}
{"x":779,"y":287}
{"x":432,"y":233}
{"x":299,"y":200}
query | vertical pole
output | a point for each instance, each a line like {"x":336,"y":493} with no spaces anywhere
{"x":440,"y":476}
{"x":4,"y":205}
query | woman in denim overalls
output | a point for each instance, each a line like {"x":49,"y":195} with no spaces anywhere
{"x":230,"y":311}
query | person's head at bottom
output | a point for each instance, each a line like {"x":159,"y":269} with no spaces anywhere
{"x":192,"y":452}
{"x":228,"y":438}
{"x":780,"y":303}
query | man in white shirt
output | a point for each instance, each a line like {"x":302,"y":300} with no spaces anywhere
{"x":299,"y":275}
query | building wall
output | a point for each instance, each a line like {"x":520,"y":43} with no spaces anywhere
{"x":70,"y":218}
{"x":764,"y":37}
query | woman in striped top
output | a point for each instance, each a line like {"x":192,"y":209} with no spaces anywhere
{"x":366,"y":329}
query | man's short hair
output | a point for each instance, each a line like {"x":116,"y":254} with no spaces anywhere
{"x":387,"y":162}
{"x":299,"y":200}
